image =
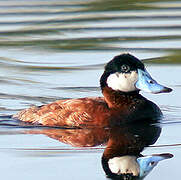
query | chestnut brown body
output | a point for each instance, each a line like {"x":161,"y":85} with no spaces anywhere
{"x":113,"y":109}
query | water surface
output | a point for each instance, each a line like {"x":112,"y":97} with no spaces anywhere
{"x":57,"y":49}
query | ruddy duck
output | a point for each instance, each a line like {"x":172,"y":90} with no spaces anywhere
{"x":124,"y":76}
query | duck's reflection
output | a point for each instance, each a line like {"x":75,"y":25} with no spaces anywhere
{"x":122,"y":158}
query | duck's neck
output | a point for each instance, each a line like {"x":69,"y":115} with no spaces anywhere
{"x":116,"y":99}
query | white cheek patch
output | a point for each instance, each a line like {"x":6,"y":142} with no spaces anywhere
{"x":124,"y":165}
{"x":123,"y":81}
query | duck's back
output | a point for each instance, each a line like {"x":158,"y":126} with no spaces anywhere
{"x":71,"y":112}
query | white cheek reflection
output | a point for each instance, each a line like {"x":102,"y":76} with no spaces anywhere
{"x":124,"y":165}
{"x":123,"y":81}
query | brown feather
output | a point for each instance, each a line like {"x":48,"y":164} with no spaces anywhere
{"x":71,"y":112}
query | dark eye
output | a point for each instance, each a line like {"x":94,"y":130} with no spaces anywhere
{"x":125,"y":68}
{"x":152,"y":163}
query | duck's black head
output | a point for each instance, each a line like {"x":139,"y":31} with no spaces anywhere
{"x":126,"y":73}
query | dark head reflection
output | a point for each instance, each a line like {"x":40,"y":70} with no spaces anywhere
{"x":122,"y":158}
